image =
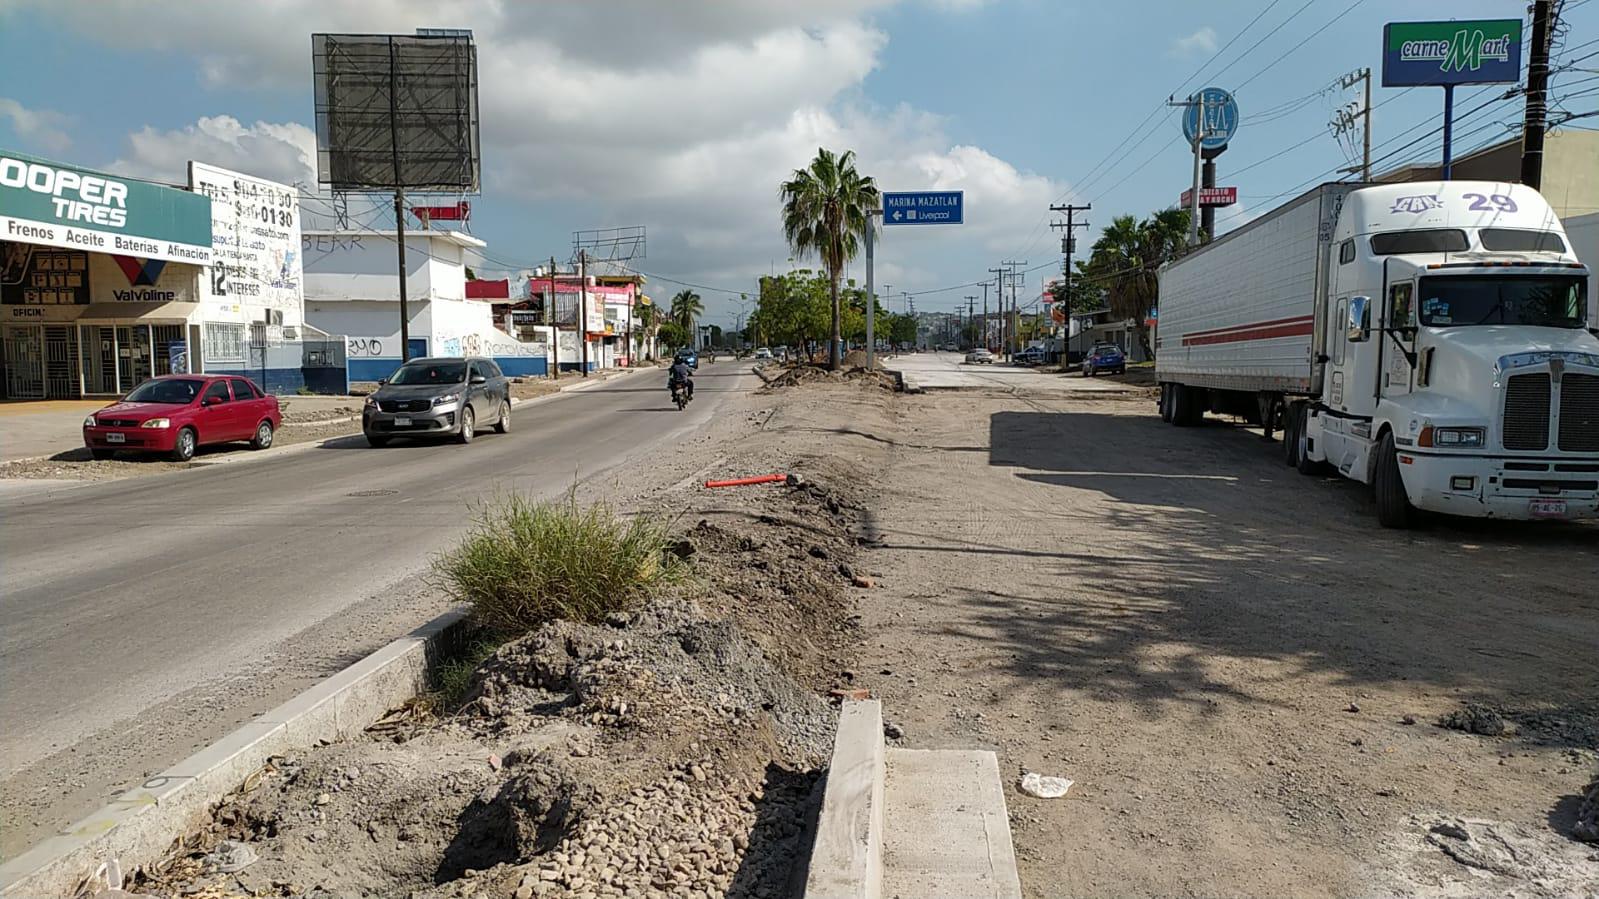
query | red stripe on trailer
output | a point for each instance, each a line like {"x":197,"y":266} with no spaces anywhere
{"x":1251,"y":325}
{"x":1302,"y":327}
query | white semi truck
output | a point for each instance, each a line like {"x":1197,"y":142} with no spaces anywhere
{"x":1430,"y":339}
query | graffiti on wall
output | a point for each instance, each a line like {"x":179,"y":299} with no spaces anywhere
{"x":364,"y":346}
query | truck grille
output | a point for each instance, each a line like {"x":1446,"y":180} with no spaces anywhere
{"x":1579,"y":413}
{"x":1527,"y":412}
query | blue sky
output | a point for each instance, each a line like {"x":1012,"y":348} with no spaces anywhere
{"x":683,"y":116}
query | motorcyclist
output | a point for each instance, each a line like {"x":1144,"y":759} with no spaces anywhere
{"x":680,"y":373}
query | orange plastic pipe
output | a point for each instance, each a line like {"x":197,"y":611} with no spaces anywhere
{"x":740,"y":482}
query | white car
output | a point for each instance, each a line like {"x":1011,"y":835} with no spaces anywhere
{"x":979,"y":356}
{"x":763,"y":353}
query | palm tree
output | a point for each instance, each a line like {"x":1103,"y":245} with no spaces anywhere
{"x":1126,"y":262}
{"x":686,"y":308}
{"x":827,"y":208}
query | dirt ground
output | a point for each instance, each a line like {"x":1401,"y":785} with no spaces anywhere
{"x":1241,"y":671}
{"x":1246,"y":677}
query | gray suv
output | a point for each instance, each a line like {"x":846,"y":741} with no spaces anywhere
{"x":435,"y":397}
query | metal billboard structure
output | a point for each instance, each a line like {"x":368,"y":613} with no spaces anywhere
{"x":394,"y":113}
{"x":1448,"y":54}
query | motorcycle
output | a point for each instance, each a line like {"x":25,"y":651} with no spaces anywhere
{"x":680,"y":396}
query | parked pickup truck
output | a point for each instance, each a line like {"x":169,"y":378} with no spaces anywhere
{"x":1430,"y":339}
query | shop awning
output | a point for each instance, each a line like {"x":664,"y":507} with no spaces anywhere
{"x":139,"y":311}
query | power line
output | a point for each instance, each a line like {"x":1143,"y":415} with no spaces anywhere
{"x":1347,"y":10}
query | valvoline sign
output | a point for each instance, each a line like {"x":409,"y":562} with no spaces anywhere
{"x":1478,"y":51}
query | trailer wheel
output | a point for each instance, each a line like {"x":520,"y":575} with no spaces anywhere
{"x":1166,"y":391}
{"x":1393,"y":506}
{"x":1187,"y":406}
{"x":1292,"y":422}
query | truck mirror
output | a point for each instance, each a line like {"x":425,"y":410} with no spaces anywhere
{"x":1359,"y":319}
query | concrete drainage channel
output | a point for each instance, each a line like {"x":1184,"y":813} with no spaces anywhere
{"x":909,"y":822}
{"x":141,"y":824}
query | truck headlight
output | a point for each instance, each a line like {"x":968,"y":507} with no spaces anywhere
{"x":1458,"y":437}
{"x":157,"y":423}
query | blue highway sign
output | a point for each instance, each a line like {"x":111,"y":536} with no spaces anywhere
{"x":924,"y":207}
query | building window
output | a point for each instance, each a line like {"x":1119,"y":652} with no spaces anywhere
{"x":224,"y":342}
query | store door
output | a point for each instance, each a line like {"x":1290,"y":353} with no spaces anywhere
{"x":133,"y":350}
{"x":60,"y":362}
{"x":24,"y":345}
{"x":99,"y":359}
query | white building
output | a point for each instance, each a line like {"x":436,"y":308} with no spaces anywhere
{"x":352,"y":289}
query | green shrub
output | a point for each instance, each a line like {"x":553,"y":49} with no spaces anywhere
{"x":453,"y":677}
{"x":527,"y":561}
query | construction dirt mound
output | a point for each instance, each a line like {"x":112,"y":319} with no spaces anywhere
{"x":806,"y":373}
{"x":673,"y":750}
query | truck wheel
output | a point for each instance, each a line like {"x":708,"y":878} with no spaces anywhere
{"x":1165,"y":403}
{"x":1393,"y":506}
{"x":1302,"y":461}
{"x":1292,"y":422}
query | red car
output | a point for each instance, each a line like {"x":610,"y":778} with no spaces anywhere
{"x":176,"y":414}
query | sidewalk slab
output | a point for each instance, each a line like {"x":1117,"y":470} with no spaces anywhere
{"x":948,"y":834}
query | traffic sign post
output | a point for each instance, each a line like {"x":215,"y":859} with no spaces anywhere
{"x":921,"y":207}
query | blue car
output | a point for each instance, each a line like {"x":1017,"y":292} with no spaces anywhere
{"x":688,"y":357}
{"x":1106,"y":357}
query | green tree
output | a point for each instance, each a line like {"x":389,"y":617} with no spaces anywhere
{"x":792,"y":309}
{"x":675,"y":335}
{"x":1126,"y":261}
{"x":827,"y":208}
{"x":686,"y":309}
{"x":647,"y":319}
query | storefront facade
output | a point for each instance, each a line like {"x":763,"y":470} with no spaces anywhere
{"x":99,"y":278}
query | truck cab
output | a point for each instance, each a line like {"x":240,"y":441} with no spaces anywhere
{"x":1454,"y":367}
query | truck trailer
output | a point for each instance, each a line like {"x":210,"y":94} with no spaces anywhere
{"x":1430,"y":339}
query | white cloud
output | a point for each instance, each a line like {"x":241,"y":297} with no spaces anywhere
{"x":1200,"y":42}
{"x":278,"y":152}
{"x":41,"y":126}
{"x":680,"y":116}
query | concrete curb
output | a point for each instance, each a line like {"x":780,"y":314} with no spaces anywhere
{"x":847,"y":857}
{"x":136,"y":827}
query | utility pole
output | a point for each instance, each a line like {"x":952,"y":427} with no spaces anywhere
{"x":1068,"y":242}
{"x":1012,"y":342}
{"x":1199,"y":142}
{"x":1344,"y":120}
{"x":583,"y":307}
{"x":555,"y":326}
{"x":999,"y":296}
{"x":971,"y":303}
{"x":1537,"y":96}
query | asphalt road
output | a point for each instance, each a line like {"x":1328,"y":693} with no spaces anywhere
{"x":119,"y":595}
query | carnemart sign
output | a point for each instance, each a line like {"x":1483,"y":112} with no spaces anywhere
{"x":50,"y":204}
{"x":1481,"y":51}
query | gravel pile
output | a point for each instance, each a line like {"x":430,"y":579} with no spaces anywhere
{"x":699,"y":833}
